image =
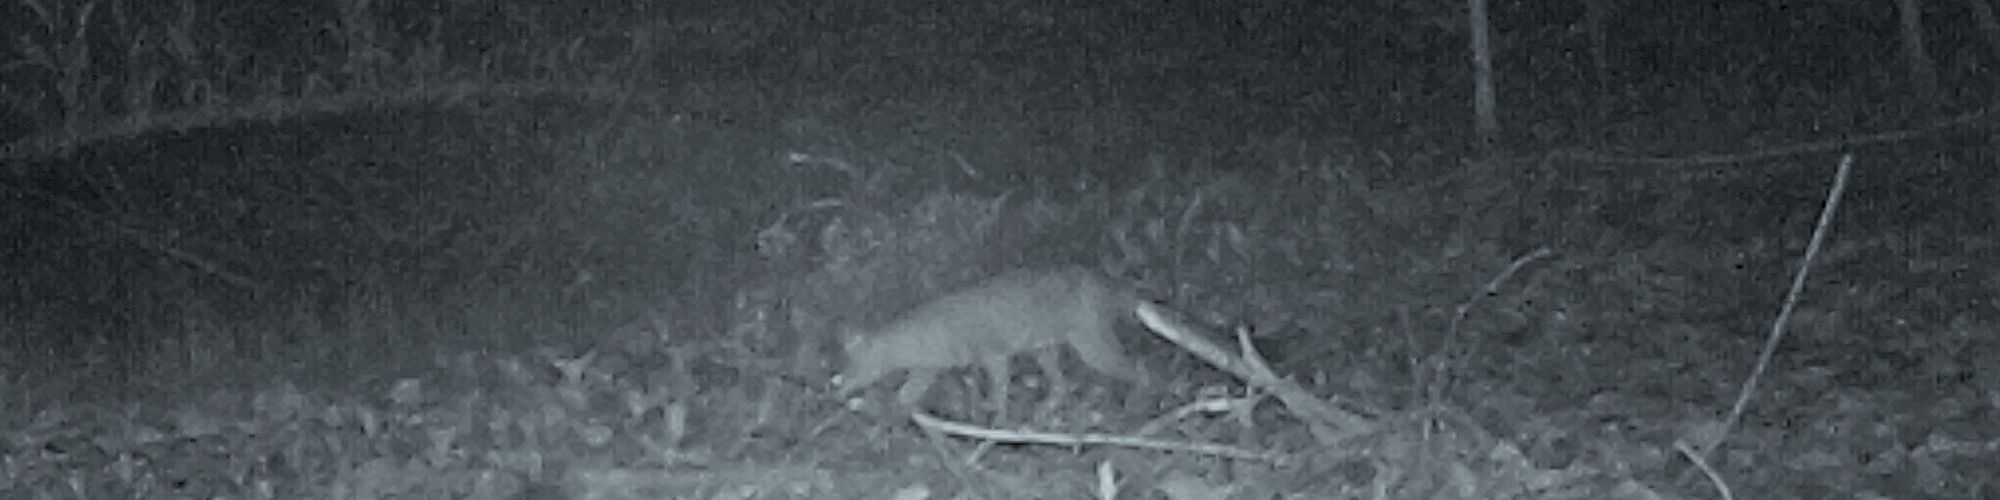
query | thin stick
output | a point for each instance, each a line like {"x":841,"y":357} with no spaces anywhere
{"x":930,"y":423}
{"x":1211,"y":405}
{"x":147,"y":241}
{"x":1441,"y":371}
{"x":1785,"y":312}
{"x":1815,"y":147}
{"x":1493,"y":287}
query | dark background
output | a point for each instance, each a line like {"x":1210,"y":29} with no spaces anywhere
{"x":340,"y":194}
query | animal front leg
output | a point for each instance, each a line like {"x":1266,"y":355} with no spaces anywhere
{"x":999,"y":375}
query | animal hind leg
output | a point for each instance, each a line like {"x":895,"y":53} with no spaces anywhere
{"x":1050,"y":361}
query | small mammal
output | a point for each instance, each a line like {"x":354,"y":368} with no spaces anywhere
{"x":1035,"y":311}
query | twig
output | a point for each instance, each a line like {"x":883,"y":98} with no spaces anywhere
{"x":1037,"y":437}
{"x":1493,"y":286}
{"x":1440,"y":373}
{"x":147,"y":241}
{"x":1791,"y":302}
{"x":1210,"y":405}
{"x":1701,"y":463}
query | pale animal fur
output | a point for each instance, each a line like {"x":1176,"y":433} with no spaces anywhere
{"x":1026,"y":311}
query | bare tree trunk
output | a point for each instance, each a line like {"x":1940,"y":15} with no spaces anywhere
{"x":1923,"y":72}
{"x":1595,"y":17}
{"x":1483,"y":99}
{"x":1982,"y":15}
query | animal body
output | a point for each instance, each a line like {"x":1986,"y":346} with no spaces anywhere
{"x":1035,"y":311}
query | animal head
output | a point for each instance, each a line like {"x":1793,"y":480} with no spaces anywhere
{"x":857,"y":370}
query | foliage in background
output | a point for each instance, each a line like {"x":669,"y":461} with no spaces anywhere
{"x":499,"y":246}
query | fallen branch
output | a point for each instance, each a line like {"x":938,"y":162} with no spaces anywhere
{"x":1328,"y":423}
